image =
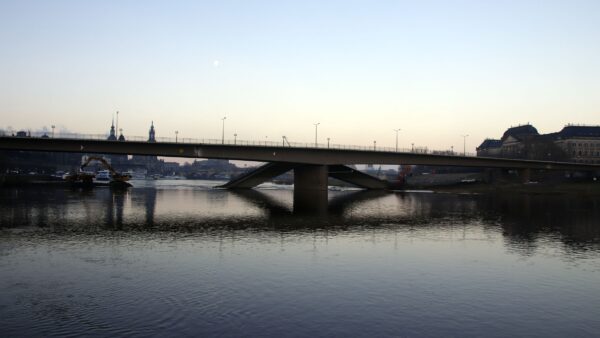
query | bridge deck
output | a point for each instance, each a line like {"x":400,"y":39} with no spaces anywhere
{"x":321,"y":156}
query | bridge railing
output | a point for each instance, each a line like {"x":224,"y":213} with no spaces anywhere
{"x":253,"y":143}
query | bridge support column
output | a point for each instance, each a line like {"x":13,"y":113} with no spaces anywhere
{"x":310,"y":188}
{"x":311,"y":177}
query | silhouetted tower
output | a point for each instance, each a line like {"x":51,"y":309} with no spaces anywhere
{"x":112,"y":136}
{"x":151,"y":136}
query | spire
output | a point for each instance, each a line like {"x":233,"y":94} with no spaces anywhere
{"x":112,"y":136}
{"x":151,"y":133}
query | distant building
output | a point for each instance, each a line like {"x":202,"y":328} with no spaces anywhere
{"x":490,"y":148}
{"x":581,"y":143}
{"x":112,"y":136}
{"x":514,"y":140}
{"x":573,"y":143}
{"x":151,"y":133}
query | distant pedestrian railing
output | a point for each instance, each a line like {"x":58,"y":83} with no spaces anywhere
{"x":282,"y":143}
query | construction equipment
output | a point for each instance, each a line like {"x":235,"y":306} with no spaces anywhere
{"x":114,"y":174}
{"x":87,"y":178}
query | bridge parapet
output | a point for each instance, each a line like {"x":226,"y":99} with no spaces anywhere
{"x":238,"y":142}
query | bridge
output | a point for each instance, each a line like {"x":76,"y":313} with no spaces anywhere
{"x":312,"y":163}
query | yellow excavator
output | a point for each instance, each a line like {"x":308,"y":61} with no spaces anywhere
{"x":87,"y":178}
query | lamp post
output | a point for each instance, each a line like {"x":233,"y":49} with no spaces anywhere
{"x":464,"y":144}
{"x":176,"y":132}
{"x":235,"y":138}
{"x":374,"y":145}
{"x":266,"y":138}
{"x":412,"y":147}
{"x":316,"y":127}
{"x":452,"y":150}
{"x":223,"y":130}
{"x":328,"y":142}
{"x":53,"y":126}
{"x":397,"y":130}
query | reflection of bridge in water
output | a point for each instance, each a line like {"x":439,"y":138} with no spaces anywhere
{"x":523,"y":220}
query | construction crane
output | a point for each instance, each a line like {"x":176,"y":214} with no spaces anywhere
{"x":115,"y":175}
{"x":87,"y":178}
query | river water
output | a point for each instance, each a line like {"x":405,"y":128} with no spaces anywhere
{"x":179,"y":258}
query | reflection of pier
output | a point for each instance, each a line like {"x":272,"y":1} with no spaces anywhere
{"x":116,"y":203}
{"x":337,"y":205}
{"x":114,"y":209}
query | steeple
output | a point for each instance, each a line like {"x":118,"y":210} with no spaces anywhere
{"x":151,"y":133}
{"x":112,"y":136}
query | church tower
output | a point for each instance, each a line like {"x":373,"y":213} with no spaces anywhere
{"x":151,"y":136}
{"x":112,"y":136}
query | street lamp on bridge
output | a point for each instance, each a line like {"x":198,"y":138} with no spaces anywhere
{"x":397,"y":130}
{"x":235,"y":138}
{"x":316,"y":127}
{"x":176,"y":132}
{"x":53,"y":126}
{"x":464,"y":144}
{"x":223,"y":131}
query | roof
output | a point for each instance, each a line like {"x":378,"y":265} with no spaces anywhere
{"x":520,"y":131}
{"x":490,"y":143}
{"x":579,"y":131}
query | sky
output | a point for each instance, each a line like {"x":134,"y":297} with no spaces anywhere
{"x":434,"y":69}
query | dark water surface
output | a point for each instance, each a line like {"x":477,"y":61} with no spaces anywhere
{"x":182,"y":259}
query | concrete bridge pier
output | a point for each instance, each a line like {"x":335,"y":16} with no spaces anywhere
{"x":310,"y":188}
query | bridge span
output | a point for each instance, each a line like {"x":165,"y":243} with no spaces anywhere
{"x":311,"y":165}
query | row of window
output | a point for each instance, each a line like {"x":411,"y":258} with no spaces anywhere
{"x":586,"y":153}
{"x":584,"y":145}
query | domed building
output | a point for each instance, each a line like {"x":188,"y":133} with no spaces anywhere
{"x":575,"y":143}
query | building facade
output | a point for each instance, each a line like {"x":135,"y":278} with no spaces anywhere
{"x":574,"y":143}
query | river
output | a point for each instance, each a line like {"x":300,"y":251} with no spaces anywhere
{"x":180,"y":258}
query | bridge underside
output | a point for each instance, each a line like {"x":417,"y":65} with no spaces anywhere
{"x":308,"y":177}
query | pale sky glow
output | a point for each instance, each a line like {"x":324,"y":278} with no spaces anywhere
{"x":435,"y":69}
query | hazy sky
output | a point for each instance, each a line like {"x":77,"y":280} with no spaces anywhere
{"x":435,"y":69}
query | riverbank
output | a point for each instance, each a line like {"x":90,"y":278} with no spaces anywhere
{"x":583,"y":187}
{"x":17,"y":180}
